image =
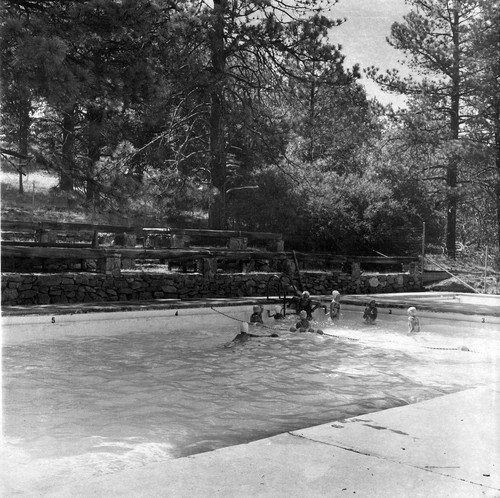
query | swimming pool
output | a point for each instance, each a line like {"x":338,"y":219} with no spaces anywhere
{"x":86,"y":395}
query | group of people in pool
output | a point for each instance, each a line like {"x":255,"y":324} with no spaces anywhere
{"x":305,"y":306}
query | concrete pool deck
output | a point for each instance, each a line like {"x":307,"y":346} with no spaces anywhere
{"x":445,"y":447}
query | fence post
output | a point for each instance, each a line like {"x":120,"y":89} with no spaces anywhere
{"x":238,"y":243}
{"x":110,"y":263}
{"x":209,"y":267}
{"x":355,"y":270}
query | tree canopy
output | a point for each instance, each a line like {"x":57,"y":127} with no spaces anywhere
{"x":245,"y":114}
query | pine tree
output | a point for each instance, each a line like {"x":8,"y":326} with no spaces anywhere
{"x":485,"y":100}
{"x":249,"y":43}
{"x":436,"y":39}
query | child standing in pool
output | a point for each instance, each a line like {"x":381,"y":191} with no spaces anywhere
{"x":335,"y":305}
{"x":413,"y":323}
{"x":256,"y":316}
{"x":370,"y":314}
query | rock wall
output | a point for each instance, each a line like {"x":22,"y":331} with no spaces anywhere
{"x":43,"y":288}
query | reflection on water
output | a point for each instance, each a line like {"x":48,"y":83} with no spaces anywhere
{"x":93,"y":405}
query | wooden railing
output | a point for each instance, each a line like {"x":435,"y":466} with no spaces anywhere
{"x":113,"y":257}
{"x":46,"y":232}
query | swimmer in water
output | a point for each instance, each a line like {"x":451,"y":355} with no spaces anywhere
{"x":370,"y":314}
{"x":277,"y":314}
{"x":244,"y":336}
{"x":335,"y":305}
{"x":303,"y":324}
{"x":256,"y":316}
{"x":413,"y":323}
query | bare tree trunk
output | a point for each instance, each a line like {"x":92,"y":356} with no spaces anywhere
{"x":23,"y":136}
{"x":217,"y":215}
{"x":312,"y":117}
{"x":497,"y":163}
{"x":452,"y":168}
{"x":68,"y":146}
{"x":95,"y":116}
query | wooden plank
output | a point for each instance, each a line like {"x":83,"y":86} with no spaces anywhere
{"x":37,"y":251}
{"x":381,"y":259}
{"x":88,"y":227}
{"x":70,"y":227}
{"x":45,"y":244}
{"x":227,"y":234}
{"x":356,"y":259}
{"x":195,"y":253}
{"x":84,"y":251}
{"x":55,"y":252}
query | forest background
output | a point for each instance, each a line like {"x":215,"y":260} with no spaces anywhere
{"x":243,"y":115}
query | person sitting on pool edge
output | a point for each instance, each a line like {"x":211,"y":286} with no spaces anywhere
{"x":413,"y":323}
{"x":303,"y":324}
{"x":277,"y":314}
{"x":244,"y":336}
{"x":370,"y":314}
{"x":335,"y":305}
{"x":256,"y":316}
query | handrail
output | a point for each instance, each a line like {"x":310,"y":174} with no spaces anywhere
{"x":284,"y":291}
{"x":280,"y":286}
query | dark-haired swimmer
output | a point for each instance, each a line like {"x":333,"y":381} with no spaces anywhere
{"x":244,"y":336}
{"x":370,"y":313}
{"x":256,"y":316}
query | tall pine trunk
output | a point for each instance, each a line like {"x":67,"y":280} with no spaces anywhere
{"x":452,"y":168}
{"x":23,"y":135}
{"x":95,"y":116}
{"x":68,"y":146}
{"x":497,"y":164}
{"x":217,"y":215}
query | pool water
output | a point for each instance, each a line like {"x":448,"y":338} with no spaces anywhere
{"x":104,"y":396}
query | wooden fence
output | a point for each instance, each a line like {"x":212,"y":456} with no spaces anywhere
{"x":110,"y":248}
{"x":48,"y":232}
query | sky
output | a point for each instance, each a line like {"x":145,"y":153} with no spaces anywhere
{"x":363,"y":38}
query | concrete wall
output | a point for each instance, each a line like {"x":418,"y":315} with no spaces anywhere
{"x":43,"y":288}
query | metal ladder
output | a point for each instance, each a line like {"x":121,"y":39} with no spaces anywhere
{"x":281,"y":288}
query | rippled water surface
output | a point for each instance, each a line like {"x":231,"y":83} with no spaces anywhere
{"x":91,"y":405}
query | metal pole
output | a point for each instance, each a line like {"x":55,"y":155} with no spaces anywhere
{"x":485,"y":268}
{"x":423,"y":253}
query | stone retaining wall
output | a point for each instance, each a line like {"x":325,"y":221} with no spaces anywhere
{"x":42,"y":288}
